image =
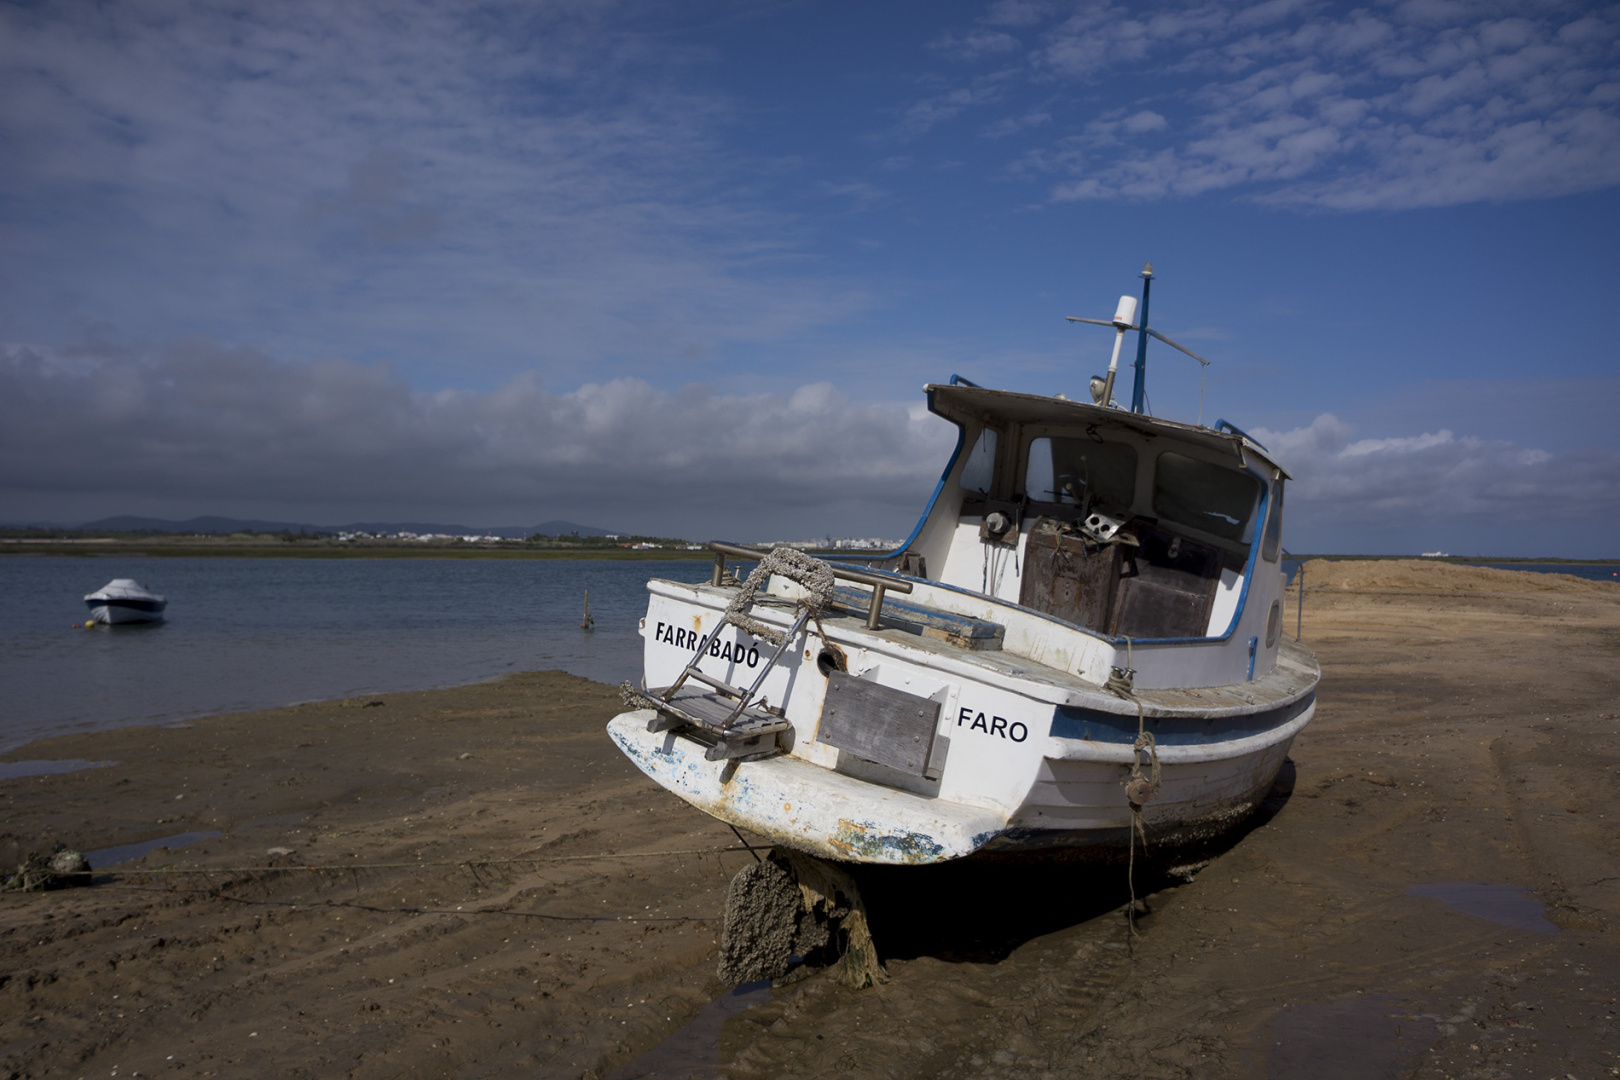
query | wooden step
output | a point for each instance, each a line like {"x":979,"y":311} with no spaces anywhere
{"x":751,"y":735}
{"x":708,"y":711}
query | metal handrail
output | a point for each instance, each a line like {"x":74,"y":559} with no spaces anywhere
{"x":879,"y":584}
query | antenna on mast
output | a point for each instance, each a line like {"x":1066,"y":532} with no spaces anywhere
{"x":1125,"y":319}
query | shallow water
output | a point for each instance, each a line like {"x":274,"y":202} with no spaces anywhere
{"x":1354,"y":1038}
{"x":693,"y":1051}
{"x":123,"y":853}
{"x":17,"y":770}
{"x":1501,"y":904}
{"x":258,"y":633}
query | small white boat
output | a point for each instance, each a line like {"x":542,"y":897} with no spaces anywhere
{"x":124,"y":600}
{"x":1087,"y":649}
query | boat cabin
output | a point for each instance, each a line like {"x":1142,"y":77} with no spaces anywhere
{"x":1126,"y":526}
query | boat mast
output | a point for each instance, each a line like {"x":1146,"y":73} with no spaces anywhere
{"x":1139,"y":389}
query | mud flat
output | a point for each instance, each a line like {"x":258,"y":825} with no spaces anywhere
{"x":1432,"y":891}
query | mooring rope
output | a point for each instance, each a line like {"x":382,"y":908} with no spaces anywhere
{"x":39,"y":881}
{"x":1139,"y":788}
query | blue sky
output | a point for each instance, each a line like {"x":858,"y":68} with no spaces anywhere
{"x":685,"y":268}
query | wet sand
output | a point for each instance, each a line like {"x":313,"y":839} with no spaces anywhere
{"x":1433,"y":890}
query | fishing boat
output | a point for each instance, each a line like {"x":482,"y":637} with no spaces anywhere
{"x":124,"y":600}
{"x":1080,"y":646}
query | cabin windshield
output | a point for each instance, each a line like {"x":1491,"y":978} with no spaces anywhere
{"x":1273,"y":541}
{"x":1081,"y":472}
{"x":1213,"y":499}
{"x":979,"y":470}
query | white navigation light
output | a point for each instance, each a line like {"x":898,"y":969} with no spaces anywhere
{"x":1125,"y":314}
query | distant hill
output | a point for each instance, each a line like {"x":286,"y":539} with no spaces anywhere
{"x":128,"y":523}
{"x":226,"y":526}
{"x":565,"y":528}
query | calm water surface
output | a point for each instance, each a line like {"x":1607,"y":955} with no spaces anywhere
{"x":257,"y":633}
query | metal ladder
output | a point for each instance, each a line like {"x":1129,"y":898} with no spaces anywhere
{"x":740,"y":730}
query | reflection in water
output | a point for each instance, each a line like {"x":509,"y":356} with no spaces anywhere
{"x":16,"y":770}
{"x":259,"y":633}
{"x":112,"y":856}
{"x":1501,"y":904}
{"x":1360,"y":1038}
{"x":693,"y":1052}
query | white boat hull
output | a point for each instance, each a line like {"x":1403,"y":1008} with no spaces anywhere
{"x":123,"y":600}
{"x":114,"y":615}
{"x":1074,"y":796}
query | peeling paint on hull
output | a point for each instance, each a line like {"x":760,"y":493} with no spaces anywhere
{"x":1074,"y":809}
{"x":805,"y":806}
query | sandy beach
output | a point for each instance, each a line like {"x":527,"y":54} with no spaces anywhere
{"x":474,"y":883}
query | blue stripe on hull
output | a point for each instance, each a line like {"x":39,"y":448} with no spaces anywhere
{"x":1093,"y":725}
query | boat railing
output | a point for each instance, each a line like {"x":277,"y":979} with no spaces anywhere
{"x":880,"y":583}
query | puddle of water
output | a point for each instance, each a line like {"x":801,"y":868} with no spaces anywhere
{"x":16,"y":770}
{"x":1502,"y":904}
{"x":100,"y":860}
{"x":693,"y":1052}
{"x":1361,"y":1038}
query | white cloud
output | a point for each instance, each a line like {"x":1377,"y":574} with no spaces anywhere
{"x":975,"y":44}
{"x":1144,"y":121}
{"x":196,"y":427}
{"x":1289,"y":103}
{"x":922,"y":116}
{"x":1440,"y":480}
{"x":1017,"y":12}
{"x":1012,"y":125}
{"x":473,"y":189}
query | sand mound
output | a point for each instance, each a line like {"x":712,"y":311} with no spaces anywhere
{"x":1423,"y":575}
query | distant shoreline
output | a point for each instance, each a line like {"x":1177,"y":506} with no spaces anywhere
{"x":215,"y":549}
{"x":225,"y":547}
{"x":1464,"y":560}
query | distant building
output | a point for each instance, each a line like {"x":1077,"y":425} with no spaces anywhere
{"x":846,"y":543}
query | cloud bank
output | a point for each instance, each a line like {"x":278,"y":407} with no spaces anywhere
{"x":199,"y":428}
{"x":1438,"y":489}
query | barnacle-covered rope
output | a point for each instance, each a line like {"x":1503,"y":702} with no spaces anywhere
{"x":815,"y":576}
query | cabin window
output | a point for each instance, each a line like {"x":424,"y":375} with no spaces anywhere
{"x":1215,"y":499}
{"x":979,"y":471}
{"x":1082,"y":472}
{"x":1273,"y":540}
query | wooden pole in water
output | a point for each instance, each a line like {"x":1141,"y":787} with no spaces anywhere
{"x":587,"y":623}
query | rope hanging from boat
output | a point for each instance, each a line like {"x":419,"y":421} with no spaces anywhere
{"x":813,"y":575}
{"x":1122,"y":683}
{"x":1139,"y":788}
{"x":634,"y":698}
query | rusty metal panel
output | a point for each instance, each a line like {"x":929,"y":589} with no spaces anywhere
{"x":1069,"y":576}
{"x":886,"y":726}
{"x":1168,"y":586}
